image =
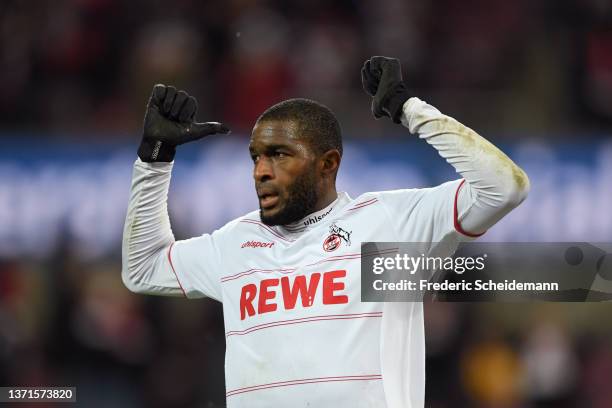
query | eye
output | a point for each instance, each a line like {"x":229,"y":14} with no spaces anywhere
{"x":280,"y":155}
{"x":254,"y":157}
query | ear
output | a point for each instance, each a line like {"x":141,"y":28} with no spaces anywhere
{"x":329,"y":162}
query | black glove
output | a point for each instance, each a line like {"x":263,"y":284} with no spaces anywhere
{"x":381,"y":78}
{"x":169,"y":122}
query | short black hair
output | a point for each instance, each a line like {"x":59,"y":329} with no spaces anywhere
{"x":316,"y":122}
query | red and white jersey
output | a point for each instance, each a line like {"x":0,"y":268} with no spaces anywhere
{"x":297,"y":333}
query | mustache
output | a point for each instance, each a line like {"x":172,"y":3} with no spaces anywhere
{"x":266,"y":189}
{"x":298,"y":199}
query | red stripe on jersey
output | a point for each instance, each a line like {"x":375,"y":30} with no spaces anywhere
{"x":251,"y":271}
{"x":369,"y":377}
{"x":303,"y":320}
{"x":456,"y":216}
{"x":264,"y":226}
{"x":366,"y":201}
{"x":172,"y":266}
{"x":289,"y":270}
{"x":355,"y":256}
{"x":363,"y":204}
{"x":336,"y":258}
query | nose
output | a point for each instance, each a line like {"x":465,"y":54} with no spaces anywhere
{"x":263,"y":170}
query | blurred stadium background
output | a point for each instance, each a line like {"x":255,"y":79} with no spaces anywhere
{"x":535,"y":77}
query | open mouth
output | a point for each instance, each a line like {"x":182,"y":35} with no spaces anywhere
{"x":267,"y":201}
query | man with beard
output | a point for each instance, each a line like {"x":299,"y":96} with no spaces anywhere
{"x":288,"y":275}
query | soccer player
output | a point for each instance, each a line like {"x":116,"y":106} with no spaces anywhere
{"x":288,"y":274}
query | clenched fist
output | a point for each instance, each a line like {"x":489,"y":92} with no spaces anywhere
{"x":381,"y":78}
{"x":169,"y":122}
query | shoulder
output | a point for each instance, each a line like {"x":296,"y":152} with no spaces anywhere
{"x":241,"y":223}
{"x":370,"y":199}
{"x":383,"y":197}
{"x":409,"y":197}
{"x":416,"y":193}
{"x":249,"y":225}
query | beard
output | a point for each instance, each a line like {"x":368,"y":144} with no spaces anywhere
{"x":300,"y":200}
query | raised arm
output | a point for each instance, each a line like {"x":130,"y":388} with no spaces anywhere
{"x":147,"y":235}
{"x":494,"y":184}
{"x":147,"y":265}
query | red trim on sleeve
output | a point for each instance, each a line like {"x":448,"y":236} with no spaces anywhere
{"x":361,"y":377}
{"x":172,"y":266}
{"x":458,"y":227}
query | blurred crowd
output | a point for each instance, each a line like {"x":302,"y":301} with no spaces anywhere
{"x":519,"y":67}
{"x":79,"y":69}
{"x":78,"y":326}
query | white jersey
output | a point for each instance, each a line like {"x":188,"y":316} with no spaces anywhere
{"x":295,"y":327}
{"x":297,"y":333}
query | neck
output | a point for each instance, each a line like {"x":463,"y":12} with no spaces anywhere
{"x":314,"y":216}
{"x":326,"y":199}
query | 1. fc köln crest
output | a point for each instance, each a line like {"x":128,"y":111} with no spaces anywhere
{"x":335,"y":238}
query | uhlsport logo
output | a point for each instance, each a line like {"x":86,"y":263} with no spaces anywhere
{"x":335,"y":238}
{"x":257,"y":244}
{"x":316,"y":218}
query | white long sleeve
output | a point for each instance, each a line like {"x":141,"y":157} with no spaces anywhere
{"x":147,"y":236}
{"x":494,"y":183}
{"x":493,"y":186}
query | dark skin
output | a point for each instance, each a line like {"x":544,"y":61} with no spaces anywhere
{"x":292,"y":179}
